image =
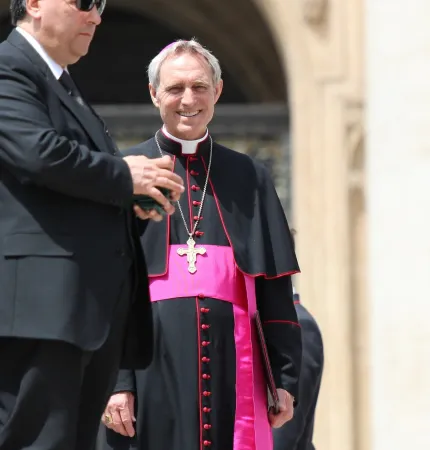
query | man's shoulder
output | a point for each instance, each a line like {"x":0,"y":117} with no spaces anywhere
{"x":244,"y":168}
{"x":145,"y":148}
{"x":227,"y":152}
{"x":13,"y":59}
{"x":310,"y":327}
{"x":235,"y":157}
{"x":10,"y":54}
{"x":304,"y":315}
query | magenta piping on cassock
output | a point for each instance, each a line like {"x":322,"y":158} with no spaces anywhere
{"x":251,"y":430}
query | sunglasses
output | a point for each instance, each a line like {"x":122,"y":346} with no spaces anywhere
{"x":88,"y":5}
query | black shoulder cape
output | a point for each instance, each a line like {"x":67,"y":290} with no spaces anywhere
{"x":251,"y":211}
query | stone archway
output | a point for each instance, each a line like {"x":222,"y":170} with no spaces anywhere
{"x":234,"y":30}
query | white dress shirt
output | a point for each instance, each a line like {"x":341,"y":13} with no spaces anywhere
{"x":56,"y":69}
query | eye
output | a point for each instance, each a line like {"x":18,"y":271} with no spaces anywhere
{"x":174,"y":89}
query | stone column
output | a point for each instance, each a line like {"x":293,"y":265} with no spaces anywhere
{"x":321,"y":42}
{"x":398,"y":199}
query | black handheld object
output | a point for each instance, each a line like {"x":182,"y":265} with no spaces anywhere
{"x":273,"y":393}
{"x":147,"y":203}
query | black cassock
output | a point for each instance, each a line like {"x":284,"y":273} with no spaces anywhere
{"x":186,"y":399}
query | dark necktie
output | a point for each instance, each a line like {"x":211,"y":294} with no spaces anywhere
{"x":67,"y":82}
{"x":71,"y":88}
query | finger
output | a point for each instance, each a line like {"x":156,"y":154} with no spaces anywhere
{"x":107,"y":424}
{"x":117,"y":424}
{"x":169,"y":208}
{"x":272,"y":418}
{"x":131,"y":406}
{"x":163,"y":173}
{"x":147,"y":188}
{"x":144,"y":215}
{"x":107,"y":418}
{"x":278,"y":420}
{"x":275,"y":420}
{"x":126,"y":419}
{"x":161,"y":200}
{"x":169,"y":183}
{"x":154,"y":215}
{"x":175,"y":196}
{"x":165,"y":162}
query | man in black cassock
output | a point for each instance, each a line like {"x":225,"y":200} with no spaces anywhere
{"x":224,"y":254}
{"x":297,"y":434}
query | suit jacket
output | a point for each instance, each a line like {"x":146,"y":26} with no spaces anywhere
{"x":297,"y":434}
{"x":67,"y":240}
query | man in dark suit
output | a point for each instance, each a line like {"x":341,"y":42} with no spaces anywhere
{"x":297,"y":434}
{"x":68,"y":258}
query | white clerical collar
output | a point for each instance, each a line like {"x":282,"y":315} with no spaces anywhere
{"x":188,"y":147}
{"x":56,"y":69}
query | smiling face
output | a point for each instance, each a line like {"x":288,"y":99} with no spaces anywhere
{"x":61,"y":28}
{"x":186,"y":95}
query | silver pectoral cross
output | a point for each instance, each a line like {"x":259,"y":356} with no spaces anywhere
{"x":191,"y":253}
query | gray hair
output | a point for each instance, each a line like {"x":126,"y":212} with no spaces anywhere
{"x":176,"y":48}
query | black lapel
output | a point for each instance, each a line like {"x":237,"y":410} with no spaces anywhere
{"x":95,"y":130}
{"x":88,"y":121}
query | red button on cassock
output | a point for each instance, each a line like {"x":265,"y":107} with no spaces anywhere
{"x":206,"y":426}
{"x":196,"y":203}
{"x":207,"y":443}
{"x":194,"y":173}
{"x":201,"y":296}
{"x":205,"y":359}
{"x":207,"y":393}
{"x":205,"y":327}
{"x":195,"y":188}
{"x":205,"y":343}
{"x":200,"y":233}
{"x":198,"y":218}
{"x":206,"y":376}
{"x":207,"y":410}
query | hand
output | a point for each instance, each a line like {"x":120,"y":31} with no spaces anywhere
{"x":286,"y":409}
{"x":148,"y":174}
{"x":145,"y":215}
{"x":119,"y":414}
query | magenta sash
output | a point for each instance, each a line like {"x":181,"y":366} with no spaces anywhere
{"x":218,"y":277}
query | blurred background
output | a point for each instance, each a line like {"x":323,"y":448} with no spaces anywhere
{"x":334,"y":96}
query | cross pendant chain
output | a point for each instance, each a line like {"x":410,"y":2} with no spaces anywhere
{"x":191,"y":253}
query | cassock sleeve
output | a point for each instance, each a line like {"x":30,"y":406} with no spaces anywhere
{"x":126,"y":381}
{"x":281,"y":330}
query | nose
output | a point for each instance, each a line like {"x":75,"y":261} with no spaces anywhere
{"x":188,"y":96}
{"x":94,"y":16}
